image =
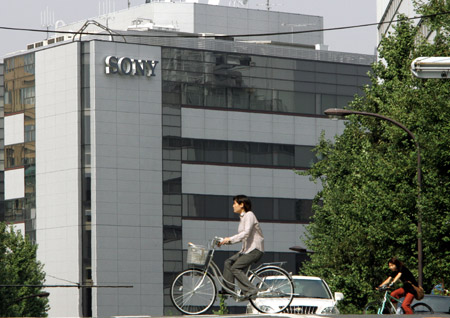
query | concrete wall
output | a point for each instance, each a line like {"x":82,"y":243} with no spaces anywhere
{"x":126,"y":184}
{"x":57,"y":174}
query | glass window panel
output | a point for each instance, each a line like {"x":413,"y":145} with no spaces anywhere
{"x":305,"y":103}
{"x":14,"y":210}
{"x":171,"y":98}
{"x":217,"y":206}
{"x":328,"y":101}
{"x":85,"y":68}
{"x":346,"y":79}
{"x":326,"y":78}
{"x":86,"y":194}
{"x":283,"y":155}
{"x":192,"y":95}
{"x":326,"y":67}
{"x":171,"y":142}
{"x":215,"y":151}
{"x":193,"y":150}
{"x":284,"y":63}
{"x":346,"y":90}
{"x":171,"y":87}
{"x":29,"y":153}
{"x":193,"y":205}
{"x":86,"y":128}
{"x":30,"y":133}
{"x":14,"y":155}
{"x":305,"y":65}
{"x":86,"y":98}
{"x":240,"y":98}
{"x":86,"y":155}
{"x":263,"y":208}
{"x":239,"y":152}
{"x":346,"y":69}
{"x":287,"y":209}
{"x":304,"y":156}
{"x":305,"y":76}
{"x":363,"y":70}
{"x":30,"y":184}
{"x":343,"y":101}
{"x":261,"y":99}
{"x":284,"y":101}
{"x":261,"y":154}
{"x":171,"y":131}
{"x":216,"y":97}
{"x":172,"y":186}
{"x":362,"y":81}
{"x":303,"y":210}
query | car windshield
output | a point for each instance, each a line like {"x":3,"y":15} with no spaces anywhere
{"x":310,"y":288}
{"x":306,"y":288}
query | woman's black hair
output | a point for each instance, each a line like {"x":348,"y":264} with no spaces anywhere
{"x":245,"y":200}
{"x":394,"y":260}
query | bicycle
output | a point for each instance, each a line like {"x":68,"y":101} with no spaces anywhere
{"x":386,"y":307}
{"x":194,"y":291}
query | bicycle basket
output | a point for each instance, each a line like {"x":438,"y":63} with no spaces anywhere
{"x":197,"y":254}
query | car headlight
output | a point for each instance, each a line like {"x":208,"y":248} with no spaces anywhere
{"x":330,"y":311}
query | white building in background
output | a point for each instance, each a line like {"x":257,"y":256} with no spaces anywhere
{"x":388,"y":11}
{"x":201,"y":18}
{"x":120,"y":149}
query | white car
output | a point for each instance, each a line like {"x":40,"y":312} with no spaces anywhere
{"x":312,"y":296}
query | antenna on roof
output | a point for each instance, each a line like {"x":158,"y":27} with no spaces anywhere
{"x":238,"y":3}
{"x":268,"y":5}
{"x":106,"y":10}
{"x":47,"y":19}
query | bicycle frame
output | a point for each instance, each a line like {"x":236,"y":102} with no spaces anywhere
{"x":211,"y":267}
{"x":194,"y":290}
{"x":387,"y":302}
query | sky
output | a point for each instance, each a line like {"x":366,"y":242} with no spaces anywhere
{"x":336,"y":13}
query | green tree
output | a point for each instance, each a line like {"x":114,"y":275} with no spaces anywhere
{"x":18,"y":266}
{"x":366,"y":211}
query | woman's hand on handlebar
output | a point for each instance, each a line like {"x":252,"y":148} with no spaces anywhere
{"x":225,"y":241}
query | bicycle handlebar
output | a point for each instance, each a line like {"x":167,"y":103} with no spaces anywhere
{"x":383,"y":288}
{"x":216,"y":240}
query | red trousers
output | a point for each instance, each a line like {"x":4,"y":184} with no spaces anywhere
{"x":406,"y":305}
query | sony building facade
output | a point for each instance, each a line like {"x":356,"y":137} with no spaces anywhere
{"x":120,"y":150}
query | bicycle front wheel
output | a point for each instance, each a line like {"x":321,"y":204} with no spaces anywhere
{"x":422,"y":308}
{"x":276,"y":290}
{"x":193,"y":291}
{"x":372,"y":308}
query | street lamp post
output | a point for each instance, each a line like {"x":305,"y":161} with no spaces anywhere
{"x":336,"y":112}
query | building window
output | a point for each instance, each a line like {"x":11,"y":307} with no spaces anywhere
{"x":213,"y":207}
{"x":246,"y":153}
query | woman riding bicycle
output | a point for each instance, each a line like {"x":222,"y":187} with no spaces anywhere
{"x":250,"y":234}
{"x":401,"y":272}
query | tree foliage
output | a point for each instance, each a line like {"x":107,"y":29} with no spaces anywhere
{"x":18,"y":266}
{"x":367,"y":209}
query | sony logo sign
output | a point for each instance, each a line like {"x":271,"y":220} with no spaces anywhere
{"x":129,"y":66}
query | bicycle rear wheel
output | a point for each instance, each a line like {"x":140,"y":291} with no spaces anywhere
{"x":422,"y":308}
{"x":276,"y":290}
{"x":193,"y":292}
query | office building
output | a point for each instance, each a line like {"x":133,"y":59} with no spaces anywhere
{"x":122,"y":147}
{"x":387,"y":14}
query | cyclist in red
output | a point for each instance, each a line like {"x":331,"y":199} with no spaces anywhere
{"x":401,"y":272}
